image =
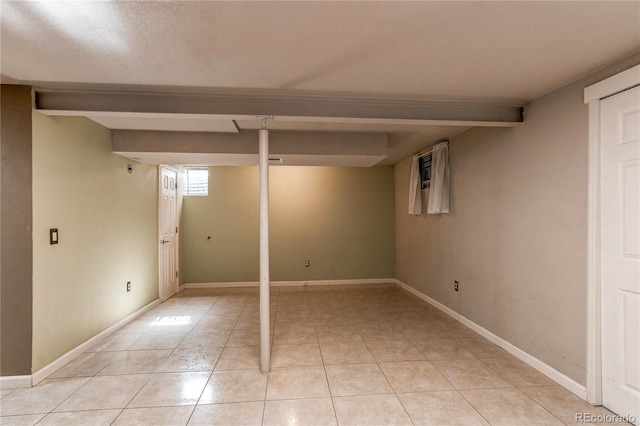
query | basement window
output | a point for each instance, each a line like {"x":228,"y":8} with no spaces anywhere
{"x":196,"y":182}
{"x":425,"y":171}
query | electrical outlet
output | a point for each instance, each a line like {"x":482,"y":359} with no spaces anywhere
{"x":128,"y":286}
{"x":307,"y":263}
{"x":455,"y":285}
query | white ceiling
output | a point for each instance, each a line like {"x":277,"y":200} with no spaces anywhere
{"x":474,"y":51}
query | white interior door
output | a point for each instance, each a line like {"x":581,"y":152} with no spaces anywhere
{"x":168,"y":232}
{"x":620,"y":258}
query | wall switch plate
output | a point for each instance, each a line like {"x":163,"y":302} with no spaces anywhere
{"x":307,"y":263}
{"x":128,"y":285}
{"x":455,"y":285}
{"x":53,"y":236}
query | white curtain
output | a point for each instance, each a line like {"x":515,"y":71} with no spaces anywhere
{"x":439,"y":188}
{"x":415,"y":190}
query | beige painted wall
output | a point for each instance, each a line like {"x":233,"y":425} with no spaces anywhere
{"x":516,"y":237}
{"x":341,"y":219}
{"x":107,"y":219}
{"x":16,"y":252}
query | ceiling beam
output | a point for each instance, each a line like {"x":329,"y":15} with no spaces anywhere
{"x":281,"y":107}
{"x":347,"y":149}
{"x":319,"y":143}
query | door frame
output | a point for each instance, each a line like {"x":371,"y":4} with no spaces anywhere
{"x":592,"y":97}
{"x":159,"y":235}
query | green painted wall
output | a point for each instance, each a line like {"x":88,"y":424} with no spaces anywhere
{"x":107,"y":220}
{"x":341,"y":219}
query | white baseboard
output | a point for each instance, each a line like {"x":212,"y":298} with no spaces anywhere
{"x":292,"y":283}
{"x":353,"y":282}
{"x":534,"y":362}
{"x":10,"y":382}
{"x":51,"y":368}
{"x":222,"y":285}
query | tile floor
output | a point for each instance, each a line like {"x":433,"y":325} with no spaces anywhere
{"x":360,"y":355}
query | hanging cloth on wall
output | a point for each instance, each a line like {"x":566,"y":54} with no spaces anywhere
{"x":439,"y":190}
{"x":415,"y":189}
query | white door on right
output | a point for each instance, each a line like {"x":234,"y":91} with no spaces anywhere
{"x":620,"y":259}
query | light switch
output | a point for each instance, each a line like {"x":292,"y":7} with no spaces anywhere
{"x":53,"y":236}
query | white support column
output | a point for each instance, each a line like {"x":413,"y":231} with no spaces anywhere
{"x":265,"y":334}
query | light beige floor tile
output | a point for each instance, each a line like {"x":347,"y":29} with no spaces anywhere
{"x":361,"y":315}
{"x":345,"y":353}
{"x":318,"y":411}
{"x":293,"y":312}
{"x":414,"y":376}
{"x":24,"y":420}
{"x":335,"y":322}
{"x":420,"y":332}
{"x":80,"y":418}
{"x":158,"y":341}
{"x":239,"y":413}
{"x":517,"y":372}
{"x":294,"y":334}
{"x":326,"y":319}
{"x":235,"y":386}
{"x":441,"y":349}
{"x":136,"y":362}
{"x":293,"y":321}
{"x":232,"y":300}
{"x":293,"y":317}
{"x":225,"y":308}
{"x":105,"y":392}
{"x":297,"y":382}
{"x":470,"y":373}
{"x":228,"y":314}
{"x":86,"y":364}
{"x":240,"y":358}
{"x":357,"y":379}
{"x":455,"y":330}
{"x":165,"y":416}
{"x":117,"y":342}
{"x":180,"y":322}
{"x":226,"y":305}
{"x":201,"y":304}
{"x":440,"y":408}
{"x":215,"y":337}
{"x":250,"y":316}
{"x":171,"y":389}
{"x":370,"y":410}
{"x":199,"y":358}
{"x":509,"y":407}
{"x":391,"y":326}
{"x":394,"y":350}
{"x":563,"y":404}
{"x":338,"y":334}
{"x":245,"y":336}
{"x":5,"y":392}
{"x":295,"y":355}
{"x":482,"y":348}
{"x":216,"y":323}
{"x":41,"y":398}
